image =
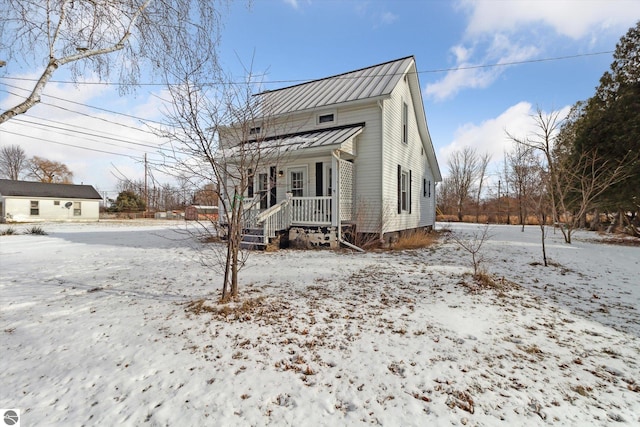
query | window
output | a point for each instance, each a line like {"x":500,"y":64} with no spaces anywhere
{"x":254,"y":131}
{"x":404,"y":191}
{"x":263,"y":186}
{"x":250,"y":177}
{"x":35,"y":207}
{"x":426,"y":188}
{"x":56,"y":203}
{"x":405,"y":121}
{"x":77,"y":209}
{"x":325,"y":117}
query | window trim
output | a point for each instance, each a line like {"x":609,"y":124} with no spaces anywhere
{"x":405,"y":123}
{"x":326,"y":113}
{"x":405,"y":183}
{"x":305,"y":179}
{"x":34,"y":208}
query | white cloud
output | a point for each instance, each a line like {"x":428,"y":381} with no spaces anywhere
{"x":387,"y":18}
{"x":571,"y":18}
{"x":490,"y":136}
{"x":494,"y":27}
{"x":500,"y":51}
{"x":292,"y":3}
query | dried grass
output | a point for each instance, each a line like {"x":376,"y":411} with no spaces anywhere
{"x":415,"y":239}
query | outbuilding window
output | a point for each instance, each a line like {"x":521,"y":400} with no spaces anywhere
{"x":35,"y":208}
{"x":77,"y":209}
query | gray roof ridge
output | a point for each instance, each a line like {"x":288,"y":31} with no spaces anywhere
{"x":335,"y":76}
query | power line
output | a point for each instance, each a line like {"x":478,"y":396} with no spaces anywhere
{"x":437,"y":70}
{"x":89,"y":106}
{"x":22,"y":120}
{"x":69,"y":145}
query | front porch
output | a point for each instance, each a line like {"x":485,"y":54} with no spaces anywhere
{"x":318,"y":213}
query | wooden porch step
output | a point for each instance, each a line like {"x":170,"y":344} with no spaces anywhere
{"x":253,"y":239}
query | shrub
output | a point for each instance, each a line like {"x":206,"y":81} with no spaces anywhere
{"x":37,"y":230}
{"x":8,"y":231}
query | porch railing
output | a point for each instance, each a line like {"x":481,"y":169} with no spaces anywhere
{"x":294,"y":210}
{"x":311,"y":210}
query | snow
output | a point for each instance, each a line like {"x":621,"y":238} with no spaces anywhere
{"x":97,"y":330}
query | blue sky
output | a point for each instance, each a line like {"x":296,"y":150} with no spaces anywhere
{"x":294,"y":40}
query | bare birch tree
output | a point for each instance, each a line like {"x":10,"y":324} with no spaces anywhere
{"x":101,"y":38}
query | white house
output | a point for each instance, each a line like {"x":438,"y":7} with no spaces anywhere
{"x":353,"y":149}
{"x":26,"y":201}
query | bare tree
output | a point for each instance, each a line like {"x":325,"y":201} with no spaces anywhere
{"x":102,"y":38}
{"x":223,"y":135}
{"x":521,"y":174}
{"x":50,"y":171}
{"x":463,"y":173}
{"x":473,"y":244}
{"x":581,"y":181}
{"x":483,"y":163}
{"x":13,"y":162}
{"x":547,"y":126}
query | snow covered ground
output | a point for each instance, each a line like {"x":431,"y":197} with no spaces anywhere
{"x":99,"y":327}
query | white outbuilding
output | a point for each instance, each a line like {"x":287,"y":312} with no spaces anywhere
{"x":26,"y":201}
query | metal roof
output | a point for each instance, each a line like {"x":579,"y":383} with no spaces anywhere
{"x":308,"y":139}
{"x":319,"y":138}
{"x":9,"y":187}
{"x":377,"y":80}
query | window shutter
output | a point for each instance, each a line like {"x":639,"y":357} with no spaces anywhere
{"x":424,"y":187}
{"x":410,"y":182}
{"x":399,"y":189}
{"x":319,"y":180}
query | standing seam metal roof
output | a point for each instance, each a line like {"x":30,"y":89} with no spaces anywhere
{"x":370,"y":82}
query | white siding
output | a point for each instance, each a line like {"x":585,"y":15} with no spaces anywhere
{"x":411,"y":157}
{"x":18,"y":209}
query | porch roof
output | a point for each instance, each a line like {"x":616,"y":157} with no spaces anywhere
{"x":314,"y":140}
{"x":318,"y":138}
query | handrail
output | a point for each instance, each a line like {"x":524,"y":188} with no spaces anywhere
{"x":276,"y":218}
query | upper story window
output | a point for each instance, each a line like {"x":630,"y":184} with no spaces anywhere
{"x":325,"y":117}
{"x":254,"y":131}
{"x":405,"y":123}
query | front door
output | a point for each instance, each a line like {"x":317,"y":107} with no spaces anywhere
{"x":297,"y":182}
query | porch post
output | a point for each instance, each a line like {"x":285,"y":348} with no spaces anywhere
{"x":335,"y":186}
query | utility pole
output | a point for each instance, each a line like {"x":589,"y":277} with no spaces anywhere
{"x":146,"y":188}
{"x":498,"y":215}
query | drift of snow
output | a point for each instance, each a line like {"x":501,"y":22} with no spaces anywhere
{"x":115,"y":323}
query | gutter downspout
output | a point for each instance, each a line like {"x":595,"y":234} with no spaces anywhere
{"x":381,"y":105}
{"x":338,"y":221}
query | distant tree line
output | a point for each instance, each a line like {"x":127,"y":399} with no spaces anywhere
{"x":15,"y":165}
{"x":578,"y":171}
{"x":134,"y":196}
